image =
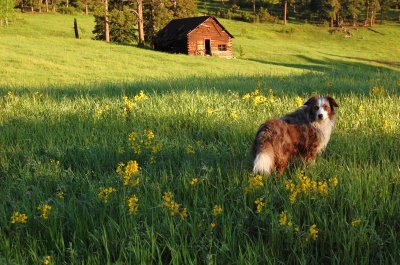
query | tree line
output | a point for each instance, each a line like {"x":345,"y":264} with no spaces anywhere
{"x":336,"y":12}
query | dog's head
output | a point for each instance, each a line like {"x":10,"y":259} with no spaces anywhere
{"x":321,"y":108}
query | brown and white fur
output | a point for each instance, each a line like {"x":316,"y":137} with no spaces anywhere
{"x":304,"y":132}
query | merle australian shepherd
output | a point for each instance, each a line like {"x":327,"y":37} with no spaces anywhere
{"x":304,"y":132}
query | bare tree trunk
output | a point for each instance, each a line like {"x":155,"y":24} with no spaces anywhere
{"x":47,"y":6}
{"x":284,"y":12}
{"x":40,"y":6}
{"x":86,"y":8}
{"x":140,"y":22}
{"x":32,"y":6}
{"x":331,"y":21}
{"x":67,"y":3}
{"x":254,"y":7}
{"x":367,"y":17}
{"x":107,"y":22}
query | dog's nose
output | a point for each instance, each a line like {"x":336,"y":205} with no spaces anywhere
{"x":320,"y":116}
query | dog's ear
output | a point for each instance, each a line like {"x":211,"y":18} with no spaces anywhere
{"x":332,"y":102}
{"x":308,"y":102}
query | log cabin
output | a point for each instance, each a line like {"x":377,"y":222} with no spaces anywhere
{"x":203,"y":36}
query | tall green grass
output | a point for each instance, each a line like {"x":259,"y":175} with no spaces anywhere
{"x":63,"y":129}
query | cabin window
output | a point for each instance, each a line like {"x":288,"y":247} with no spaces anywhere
{"x":221,"y":47}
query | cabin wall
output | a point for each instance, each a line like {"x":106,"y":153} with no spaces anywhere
{"x":220,"y":41}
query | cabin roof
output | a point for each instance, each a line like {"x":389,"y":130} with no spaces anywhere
{"x":180,"y":28}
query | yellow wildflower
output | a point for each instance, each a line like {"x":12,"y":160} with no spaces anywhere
{"x":213,"y":225}
{"x":18,"y":218}
{"x":259,"y":204}
{"x":355,"y":223}
{"x":246,"y":96}
{"x":361,"y":109}
{"x":194,"y":181}
{"x":98,"y":112}
{"x":299,"y":101}
{"x":149,"y":134}
{"x":141,"y":96}
{"x":313,"y":232}
{"x":44,"y":211}
{"x":170,"y":204}
{"x":47,"y":260}
{"x":333,"y":182}
{"x":132,"y":136}
{"x":210,"y":111}
{"x":292,"y":197}
{"x":183,"y":213}
{"x":255,"y":182}
{"x":258,"y":100}
{"x":375,"y":90}
{"x":283,"y":218}
{"x":104,"y":193}
{"x":136,"y":149}
{"x":156,"y":148}
{"x":322,"y":188}
{"x":189,"y":150}
{"x":128,"y":106}
{"x":10,"y":94}
{"x":234,"y":115}
{"x":60,"y":194}
{"x":131,"y":168}
{"x":217,"y":210}
{"x":133,"y":204}
{"x":386,"y":125}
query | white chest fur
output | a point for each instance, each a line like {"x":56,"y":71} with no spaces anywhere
{"x":325,"y":129}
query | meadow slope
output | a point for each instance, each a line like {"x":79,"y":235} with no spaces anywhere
{"x":112,"y":154}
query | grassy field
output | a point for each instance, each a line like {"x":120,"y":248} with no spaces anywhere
{"x":94,"y":171}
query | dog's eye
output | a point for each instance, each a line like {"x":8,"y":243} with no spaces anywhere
{"x":316,"y":107}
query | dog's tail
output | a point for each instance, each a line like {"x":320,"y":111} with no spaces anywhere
{"x":264,"y":162}
{"x":262,"y":151}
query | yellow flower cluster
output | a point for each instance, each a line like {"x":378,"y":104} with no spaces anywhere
{"x":299,"y":101}
{"x":254,"y":182}
{"x":60,"y":194}
{"x":257,"y":98}
{"x":133,"y":204}
{"x":260,"y":204}
{"x":146,"y":140}
{"x":104,"y":193}
{"x":305,"y":185}
{"x":47,"y":260}
{"x":44,"y":211}
{"x":18,"y":218}
{"x":127,"y":171}
{"x":313,"y":232}
{"x":173,"y":206}
{"x":355,"y":223}
{"x":189,"y":150}
{"x":141,"y":96}
{"x":361,"y":109}
{"x":378,"y":91}
{"x":194,"y":181}
{"x":234,"y":115}
{"x":217,"y":210}
{"x":283,"y":218}
{"x":210,"y":111}
{"x":128,"y":106}
{"x":386,"y":126}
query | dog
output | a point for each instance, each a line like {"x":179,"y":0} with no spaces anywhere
{"x":304,"y":132}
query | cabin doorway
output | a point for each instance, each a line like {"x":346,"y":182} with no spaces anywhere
{"x":207,"y":45}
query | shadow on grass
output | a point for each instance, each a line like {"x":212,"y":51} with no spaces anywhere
{"x":328,"y":76}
